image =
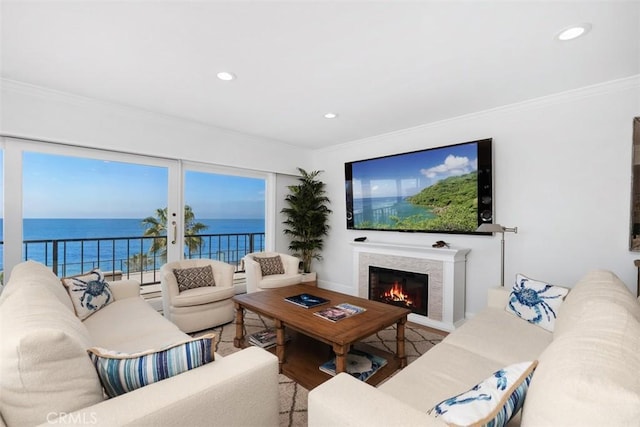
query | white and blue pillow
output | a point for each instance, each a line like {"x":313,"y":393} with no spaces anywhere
{"x":121,"y":373}
{"x":492,"y":402}
{"x":536,"y":302}
{"x":89,"y":293}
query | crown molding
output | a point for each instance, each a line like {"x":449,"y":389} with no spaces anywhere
{"x":41,"y":92}
{"x":613,"y":86}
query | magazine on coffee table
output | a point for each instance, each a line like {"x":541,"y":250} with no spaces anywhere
{"x":306,"y":300}
{"x":339,"y":312}
{"x":265,"y":338}
{"x":360,"y":364}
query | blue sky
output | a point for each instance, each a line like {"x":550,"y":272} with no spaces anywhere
{"x":70,"y":187}
{"x":409,"y":173}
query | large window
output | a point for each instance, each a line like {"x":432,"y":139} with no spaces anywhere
{"x":83,"y":213}
{"x":77,"y":209}
{"x":224,"y":216}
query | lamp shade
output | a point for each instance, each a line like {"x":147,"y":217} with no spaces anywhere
{"x":490,"y":228}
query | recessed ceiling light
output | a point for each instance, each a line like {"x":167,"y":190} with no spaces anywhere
{"x":330,"y":116}
{"x":573,"y":32}
{"x":226,"y":76}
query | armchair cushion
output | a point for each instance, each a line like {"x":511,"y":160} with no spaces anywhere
{"x":89,"y":293}
{"x":279,"y":280}
{"x":204,"y":295}
{"x":122,"y":372}
{"x":270,"y":265}
{"x":194,"y":277}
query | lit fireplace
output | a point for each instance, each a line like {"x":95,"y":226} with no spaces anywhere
{"x":396,"y":294}
{"x":401,"y":288}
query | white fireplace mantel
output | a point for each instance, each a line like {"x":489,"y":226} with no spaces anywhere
{"x":446,"y":268}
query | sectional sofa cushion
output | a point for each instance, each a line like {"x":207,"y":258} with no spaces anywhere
{"x":492,"y":402}
{"x":595,"y":286}
{"x":480,"y":337}
{"x":151,"y":329}
{"x":535,"y":301}
{"x":88,"y":293}
{"x":588,"y":376}
{"x":37,"y":274}
{"x":44,"y":366}
{"x":123,"y":372}
{"x":440,"y":373}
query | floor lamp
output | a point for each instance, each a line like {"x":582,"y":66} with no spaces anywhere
{"x":497,"y":228}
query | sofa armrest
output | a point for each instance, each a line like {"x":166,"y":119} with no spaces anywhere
{"x":345,"y":401}
{"x":498,"y":297}
{"x":122,"y":289}
{"x":237,"y":390}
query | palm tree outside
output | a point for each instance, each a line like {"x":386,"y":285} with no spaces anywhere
{"x":156,"y":226}
{"x":139,"y":262}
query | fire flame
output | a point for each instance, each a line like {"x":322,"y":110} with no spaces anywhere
{"x":396,"y":293}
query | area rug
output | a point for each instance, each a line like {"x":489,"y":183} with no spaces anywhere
{"x":293,"y":397}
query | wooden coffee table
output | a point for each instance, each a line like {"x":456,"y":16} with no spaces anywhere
{"x":315,"y":340}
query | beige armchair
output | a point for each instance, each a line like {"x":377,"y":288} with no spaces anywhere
{"x":188,"y":299}
{"x":258,"y":277}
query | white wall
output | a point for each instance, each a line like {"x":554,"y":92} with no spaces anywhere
{"x":33,"y":112}
{"x":562,"y":174}
{"x":562,"y":171}
{"x":38,"y":113}
{"x":282,"y":241}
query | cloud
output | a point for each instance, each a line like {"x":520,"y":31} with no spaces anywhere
{"x":452,"y":166}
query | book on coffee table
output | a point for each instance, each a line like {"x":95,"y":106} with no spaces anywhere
{"x":306,"y":300}
{"x":339,"y":312}
{"x":360,"y":364}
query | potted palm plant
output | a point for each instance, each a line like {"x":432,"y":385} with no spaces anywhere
{"x":307,"y":216}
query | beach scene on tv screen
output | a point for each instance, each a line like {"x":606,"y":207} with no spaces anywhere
{"x":431,"y":190}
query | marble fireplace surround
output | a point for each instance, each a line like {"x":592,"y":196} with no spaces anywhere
{"x":446,"y":268}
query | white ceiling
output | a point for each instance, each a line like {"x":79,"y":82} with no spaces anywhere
{"x":381,"y":65}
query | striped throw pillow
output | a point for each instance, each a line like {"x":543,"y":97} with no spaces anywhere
{"x":492,"y":402}
{"x":121,"y":372}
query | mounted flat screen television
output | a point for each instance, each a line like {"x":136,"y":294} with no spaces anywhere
{"x":437,"y":190}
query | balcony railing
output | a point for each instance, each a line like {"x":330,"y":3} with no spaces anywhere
{"x":131,"y":257}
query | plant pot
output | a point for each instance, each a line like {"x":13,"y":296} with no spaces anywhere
{"x":309,"y":277}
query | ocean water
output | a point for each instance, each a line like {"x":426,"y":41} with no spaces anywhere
{"x":118,"y":251}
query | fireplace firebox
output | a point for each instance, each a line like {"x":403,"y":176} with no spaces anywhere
{"x":400,"y":288}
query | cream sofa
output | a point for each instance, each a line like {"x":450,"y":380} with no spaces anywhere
{"x":46,"y":376}
{"x":588,"y":372}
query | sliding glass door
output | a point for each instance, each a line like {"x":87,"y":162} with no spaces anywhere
{"x":76,"y":209}
{"x":86,"y":209}
{"x":224,"y":214}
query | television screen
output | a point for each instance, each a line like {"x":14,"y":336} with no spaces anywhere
{"x":437,"y":190}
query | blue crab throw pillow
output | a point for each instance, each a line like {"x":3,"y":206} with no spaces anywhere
{"x":536,"y":302}
{"x":88,"y":293}
{"x":492,"y":402}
